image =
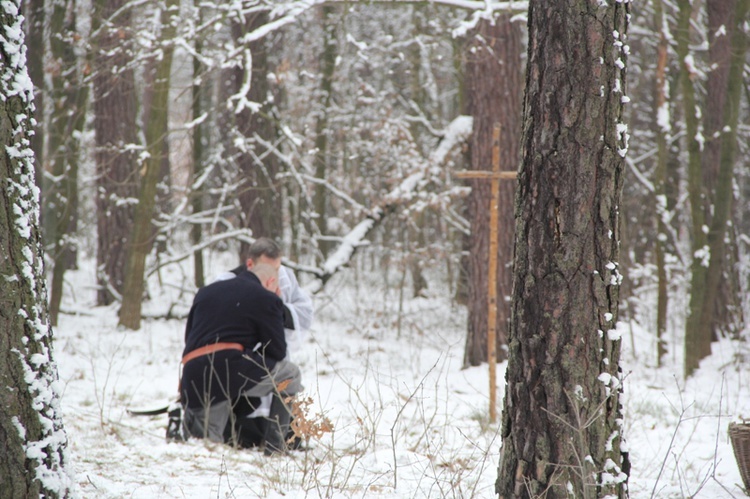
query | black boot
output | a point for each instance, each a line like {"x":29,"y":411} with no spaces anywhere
{"x":174,"y":425}
{"x":278,"y":427}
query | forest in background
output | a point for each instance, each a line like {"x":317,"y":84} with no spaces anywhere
{"x":164,"y":128}
{"x":293,"y":161}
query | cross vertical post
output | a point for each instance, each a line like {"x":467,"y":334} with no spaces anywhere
{"x":495,"y":176}
{"x":492,"y":277}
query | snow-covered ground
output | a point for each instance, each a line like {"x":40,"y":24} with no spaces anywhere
{"x":386,"y":372}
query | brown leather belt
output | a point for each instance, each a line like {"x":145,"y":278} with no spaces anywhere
{"x":213,"y":347}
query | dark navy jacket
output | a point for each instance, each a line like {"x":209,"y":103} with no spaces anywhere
{"x":237,"y":310}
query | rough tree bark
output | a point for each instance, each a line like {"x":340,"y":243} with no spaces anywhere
{"x":34,"y":443}
{"x":494,"y":89}
{"x":562,"y":419}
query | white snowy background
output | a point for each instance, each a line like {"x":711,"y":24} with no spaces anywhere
{"x":386,"y":370}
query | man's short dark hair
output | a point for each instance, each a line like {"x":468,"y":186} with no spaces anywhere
{"x":264,"y":246}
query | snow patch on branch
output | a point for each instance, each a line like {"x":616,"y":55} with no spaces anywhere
{"x":241,"y":96}
{"x":454,"y":134}
{"x":486,"y":10}
{"x":351,"y":241}
{"x":457,"y":132}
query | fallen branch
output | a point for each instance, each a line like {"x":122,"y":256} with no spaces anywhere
{"x":455,"y":133}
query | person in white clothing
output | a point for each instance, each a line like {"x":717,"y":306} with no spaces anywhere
{"x":298,"y":318}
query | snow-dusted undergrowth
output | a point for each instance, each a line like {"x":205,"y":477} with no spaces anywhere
{"x":408,"y":421}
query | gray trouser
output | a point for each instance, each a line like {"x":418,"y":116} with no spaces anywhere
{"x":210,"y":422}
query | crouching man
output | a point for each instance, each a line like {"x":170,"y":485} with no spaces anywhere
{"x":234,"y":353}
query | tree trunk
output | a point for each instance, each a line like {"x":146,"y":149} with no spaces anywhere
{"x":711,"y":191}
{"x":494,"y":89}
{"x":156,"y":135}
{"x":420,"y":98}
{"x":723,"y":193}
{"x":259,"y":195}
{"x":719,"y":13}
{"x":146,"y":89}
{"x":695,"y":345}
{"x":328,"y":63}
{"x":115,"y":136}
{"x":32,"y":437}
{"x":662,"y":131}
{"x":562,"y":417}
{"x":68,"y":96}
{"x":726,"y":315}
{"x":36,"y":35}
{"x":196,"y":231}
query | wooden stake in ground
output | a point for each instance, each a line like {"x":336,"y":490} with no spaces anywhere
{"x":495,"y":176}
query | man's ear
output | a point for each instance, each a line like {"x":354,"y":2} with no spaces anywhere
{"x":249,"y":263}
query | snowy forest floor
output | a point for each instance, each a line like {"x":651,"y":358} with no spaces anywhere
{"x":408,"y":421}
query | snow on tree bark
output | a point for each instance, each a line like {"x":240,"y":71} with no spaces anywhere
{"x":31,"y":429}
{"x":562,"y":421}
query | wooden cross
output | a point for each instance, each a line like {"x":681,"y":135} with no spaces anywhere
{"x":495,"y":175}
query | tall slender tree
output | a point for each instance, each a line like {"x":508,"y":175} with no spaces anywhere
{"x":196,"y":231}
{"x":663,"y":131}
{"x":68,"y":97}
{"x":146,"y":88}
{"x":34,"y":443}
{"x":711,"y":168}
{"x":322,"y":144}
{"x":157,"y":130}
{"x":562,"y":420}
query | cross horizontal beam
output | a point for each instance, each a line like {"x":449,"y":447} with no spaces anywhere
{"x":486,"y":174}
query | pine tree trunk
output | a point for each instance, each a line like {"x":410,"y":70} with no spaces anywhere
{"x":493,"y":73}
{"x":32,"y":437}
{"x":562,"y":417}
{"x":114,"y":103}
